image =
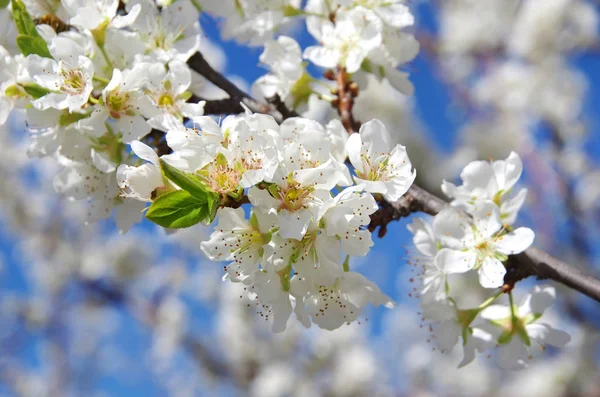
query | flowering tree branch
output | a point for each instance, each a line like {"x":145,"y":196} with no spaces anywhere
{"x":533,"y":262}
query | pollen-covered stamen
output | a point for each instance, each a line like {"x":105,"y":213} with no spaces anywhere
{"x":378,"y":169}
{"x":119,"y":104}
{"x":161,"y":36}
{"x":294,"y":196}
{"x":72,"y":81}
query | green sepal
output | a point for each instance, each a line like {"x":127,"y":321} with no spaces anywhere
{"x":66,"y":118}
{"x":33,"y":45}
{"x":505,"y":337}
{"x":178,"y":209}
{"x":274,"y":190}
{"x":35,"y":90}
{"x":185,"y":95}
{"x":346,"y":264}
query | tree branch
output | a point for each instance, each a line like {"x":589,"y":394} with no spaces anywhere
{"x":200,"y":65}
{"x":533,"y":262}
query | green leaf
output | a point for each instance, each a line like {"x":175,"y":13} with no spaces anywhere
{"x":67,"y":118}
{"x":178,"y":209}
{"x":4,"y":3}
{"x":33,"y":45}
{"x":35,"y":90}
{"x":23,"y":20}
{"x":187,"y":181}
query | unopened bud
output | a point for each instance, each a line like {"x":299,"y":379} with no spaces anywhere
{"x":329,"y":74}
{"x":353,"y":87}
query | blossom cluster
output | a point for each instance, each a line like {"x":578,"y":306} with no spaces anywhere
{"x":102,"y":82}
{"x":91,"y":78}
{"x":476,"y":233}
{"x":364,"y":38}
{"x":307,"y":217}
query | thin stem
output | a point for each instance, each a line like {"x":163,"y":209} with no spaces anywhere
{"x":490,"y":300}
{"x":106,"y":58}
{"x":101,"y":80}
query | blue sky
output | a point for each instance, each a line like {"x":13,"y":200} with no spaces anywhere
{"x":385,"y":260}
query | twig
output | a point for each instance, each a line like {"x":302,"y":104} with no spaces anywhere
{"x":200,"y":65}
{"x":346,"y":90}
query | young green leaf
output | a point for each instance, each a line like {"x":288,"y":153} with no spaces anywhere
{"x":33,"y":45}
{"x":23,"y":20}
{"x":187,"y":181}
{"x":178,"y":209}
{"x":29,"y":40}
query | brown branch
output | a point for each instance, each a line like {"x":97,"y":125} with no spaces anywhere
{"x":200,"y":65}
{"x":532,"y":262}
{"x":346,"y":90}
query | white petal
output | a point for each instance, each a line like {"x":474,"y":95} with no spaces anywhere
{"x":294,"y":224}
{"x":508,"y":171}
{"x":354,"y":148}
{"x":513,"y":355}
{"x":376,"y":137}
{"x":446,"y":334}
{"x":491,"y":273}
{"x":545,"y":334}
{"x":453,"y":261}
{"x":145,"y":152}
{"x":515,"y":242}
{"x":495,"y":312}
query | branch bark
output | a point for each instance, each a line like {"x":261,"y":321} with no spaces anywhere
{"x":198,"y":63}
{"x":533,"y":262}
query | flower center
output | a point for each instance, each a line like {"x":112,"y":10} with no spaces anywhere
{"x":222,"y":179}
{"x":294,"y":197}
{"x":73,"y":81}
{"x":165,"y":100}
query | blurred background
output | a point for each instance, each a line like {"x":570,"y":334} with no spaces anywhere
{"x":85,"y":311}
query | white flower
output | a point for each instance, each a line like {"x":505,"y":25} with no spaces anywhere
{"x":119,"y":103}
{"x":348,"y":42}
{"x":254,"y":21}
{"x":70,"y":83}
{"x":295,"y":198}
{"x":452,"y":324}
{"x":482,"y":244}
{"x":238,"y":240}
{"x":140,"y":182}
{"x":173,"y":33}
{"x":483,"y":180}
{"x":333,"y":297}
{"x":284,"y":58}
{"x":166,"y":96}
{"x":271,"y":290}
{"x":346,"y":217}
{"x":518,"y":328}
{"x":10,"y":92}
{"x":194,"y":148}
{"x":93,"y":14}
{"x":379,"y":167}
